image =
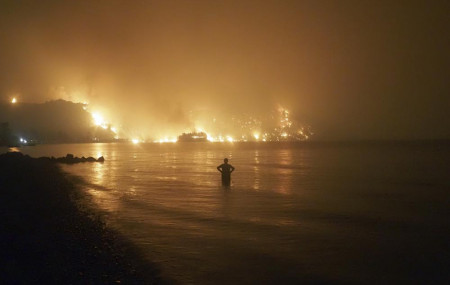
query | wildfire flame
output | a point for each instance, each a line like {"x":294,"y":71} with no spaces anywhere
{"x":253,"y":129}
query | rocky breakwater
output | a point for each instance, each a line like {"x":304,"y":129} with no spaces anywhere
{"x":70,"y":159}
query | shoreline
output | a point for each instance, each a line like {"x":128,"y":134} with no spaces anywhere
{"x":46,"y":238}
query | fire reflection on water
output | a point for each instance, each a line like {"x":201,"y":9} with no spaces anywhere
{"x":99,"y":170}
{"x":256,"y":171}
{"x":285,"y":171}
{"x":171,"y":168}
{"x":169,"y":198}
{"x":102,"y":196}
{"x":102,"y":184}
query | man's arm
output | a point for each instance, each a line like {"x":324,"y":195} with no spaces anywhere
{"x":232,"y":168}
{"x":219,"y":168}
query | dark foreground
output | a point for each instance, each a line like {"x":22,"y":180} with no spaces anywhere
{"x":46,"y":239}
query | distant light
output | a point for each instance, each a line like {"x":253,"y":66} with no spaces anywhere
{"x":135,"y":141}
{"x":13,"y":100}
{"x":284,"y":135}
{"x":230,"y":139}
{"x":256,"y":135}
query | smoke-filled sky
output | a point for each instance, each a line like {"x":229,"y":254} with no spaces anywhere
{"x":349,"y":69}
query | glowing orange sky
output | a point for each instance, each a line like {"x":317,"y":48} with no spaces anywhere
{"x":350,"y":69}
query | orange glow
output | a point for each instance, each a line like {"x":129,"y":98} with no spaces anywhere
{"x":98,"y":119}
{"x":166,"y":140}
{"x":250,"y":129}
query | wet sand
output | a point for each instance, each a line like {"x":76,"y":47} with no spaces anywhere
{"x":46,"y":238}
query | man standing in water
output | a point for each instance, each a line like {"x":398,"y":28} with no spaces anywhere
{"x":226,"y":170}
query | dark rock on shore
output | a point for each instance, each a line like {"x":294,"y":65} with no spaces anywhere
{"x":46,"y":239}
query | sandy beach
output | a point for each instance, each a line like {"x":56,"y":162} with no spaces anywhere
{"x":45,"y":238}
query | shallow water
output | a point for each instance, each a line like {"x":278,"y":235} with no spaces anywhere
{"x":332,"y":213}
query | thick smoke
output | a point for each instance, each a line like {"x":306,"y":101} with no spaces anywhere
{"x":348,"y":70}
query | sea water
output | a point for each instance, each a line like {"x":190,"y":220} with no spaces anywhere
{"x":295,"y":212}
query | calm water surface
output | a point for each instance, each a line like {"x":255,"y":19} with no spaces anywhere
{"x":295,"y":213}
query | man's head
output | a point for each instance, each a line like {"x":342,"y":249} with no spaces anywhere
{"x":225,"y":160}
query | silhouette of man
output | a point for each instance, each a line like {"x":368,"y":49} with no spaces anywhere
{"x":226,"y":170}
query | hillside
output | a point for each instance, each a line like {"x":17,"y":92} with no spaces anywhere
{"x":56,"y":121}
